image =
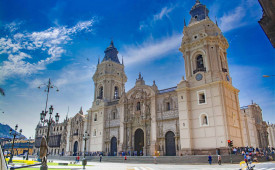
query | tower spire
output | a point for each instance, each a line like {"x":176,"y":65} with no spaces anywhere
{"x":81,"y":111}
{"x":122,"y":61}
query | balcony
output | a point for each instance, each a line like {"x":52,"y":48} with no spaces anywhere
{"x":199,"y":69}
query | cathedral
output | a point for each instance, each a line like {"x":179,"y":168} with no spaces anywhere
{"x":196,"y":116}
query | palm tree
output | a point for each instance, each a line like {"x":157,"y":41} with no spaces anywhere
{"x":2,"y":92}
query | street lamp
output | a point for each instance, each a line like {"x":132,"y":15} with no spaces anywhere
{"x":28,"y":149}
{"x":14,"y":135}
{"x":86,"y":136}
{"x":47,"y":89}
{"x":49,"y":122}
{"x":43,"y":114}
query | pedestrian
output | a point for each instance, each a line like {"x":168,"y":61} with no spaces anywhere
{"x":210,"y":159}
{"x":245,"y":159}
{"x":78,"y":158}
{"x":100,"y":157}
{"x":125,"y":157}
{"x":219,"y":159}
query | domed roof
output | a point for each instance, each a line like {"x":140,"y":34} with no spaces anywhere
{"x":111,"y":53}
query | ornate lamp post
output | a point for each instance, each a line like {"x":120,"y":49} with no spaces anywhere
{"x":49,"y":122}
{"x":43,"y":115}
{"x":47,"y":89}
{"x":14,"y":135}
{"x":86,"y":136}
{"x":28,"y":149}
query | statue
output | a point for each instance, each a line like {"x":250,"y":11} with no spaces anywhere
{"x":43,"y":153}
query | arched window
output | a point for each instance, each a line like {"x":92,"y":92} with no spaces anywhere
{"x":168,"y":107}
{"x":116,"y":93}
{"x":138,"y":106}
{"x":95,"y":118}
{"x":100,"y":92}
{"x":114,"y":115}
{"x":204,"y":120}
{"x":199,"y":62}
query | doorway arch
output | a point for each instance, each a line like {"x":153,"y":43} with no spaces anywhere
{"x":170,"y":146}
{"x":75,"y":148}
{"x":113,"y":146}
{"x":139,"y":141}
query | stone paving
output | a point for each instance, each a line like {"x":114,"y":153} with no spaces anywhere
{"x":131,"y":166}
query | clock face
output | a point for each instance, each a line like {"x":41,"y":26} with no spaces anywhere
{"x":227,"y":77}
{"x":198,"y":77}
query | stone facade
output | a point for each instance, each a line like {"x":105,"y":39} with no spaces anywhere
{"x":76,"y":128}
{"x":57,"y":139}
{"x":196,"y":116}
{"x":253,"y":127}
{"x":271,"y":135}
{"x":267,"y":21}
{"x":65,"y":137}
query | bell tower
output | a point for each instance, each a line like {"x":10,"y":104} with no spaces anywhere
{"x":109,"y":80}
{"x":204,"y":48}
{"x":109,"y":77}
{"x":209,"y":111}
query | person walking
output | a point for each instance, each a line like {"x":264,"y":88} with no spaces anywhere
{"x":210,"y":159}
{"x":125,"y":158}
{"x":100,"y":157}
{"x":219,"y":159}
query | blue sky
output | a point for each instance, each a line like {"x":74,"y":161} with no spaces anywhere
{"x":63,"y":39}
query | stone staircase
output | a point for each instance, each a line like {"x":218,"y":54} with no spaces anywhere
{"x":186,"y":159}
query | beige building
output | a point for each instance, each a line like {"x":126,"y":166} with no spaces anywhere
{"x":75,"y":130}
{"x":57,"y":137}
{"x":196,"y":116}
{"x":271,"y":135}
{"x":254,"y":129}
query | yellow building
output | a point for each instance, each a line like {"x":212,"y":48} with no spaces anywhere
{"x":20,"y":147}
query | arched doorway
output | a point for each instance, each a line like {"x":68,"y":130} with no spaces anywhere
{"x":170,"y":144}
{"x":139,"y":141}
{"x":75,"y":148}
{"x":113,"y":146}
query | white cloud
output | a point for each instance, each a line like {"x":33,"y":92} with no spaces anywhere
{"x":164,"y":12}
{"x":249,"y":11}
{"x":159,"y":16}
{"x":13,"y":26}
{"x":233,"y":19}
{"x":150,"y":50}
{"x":51,"y":41}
